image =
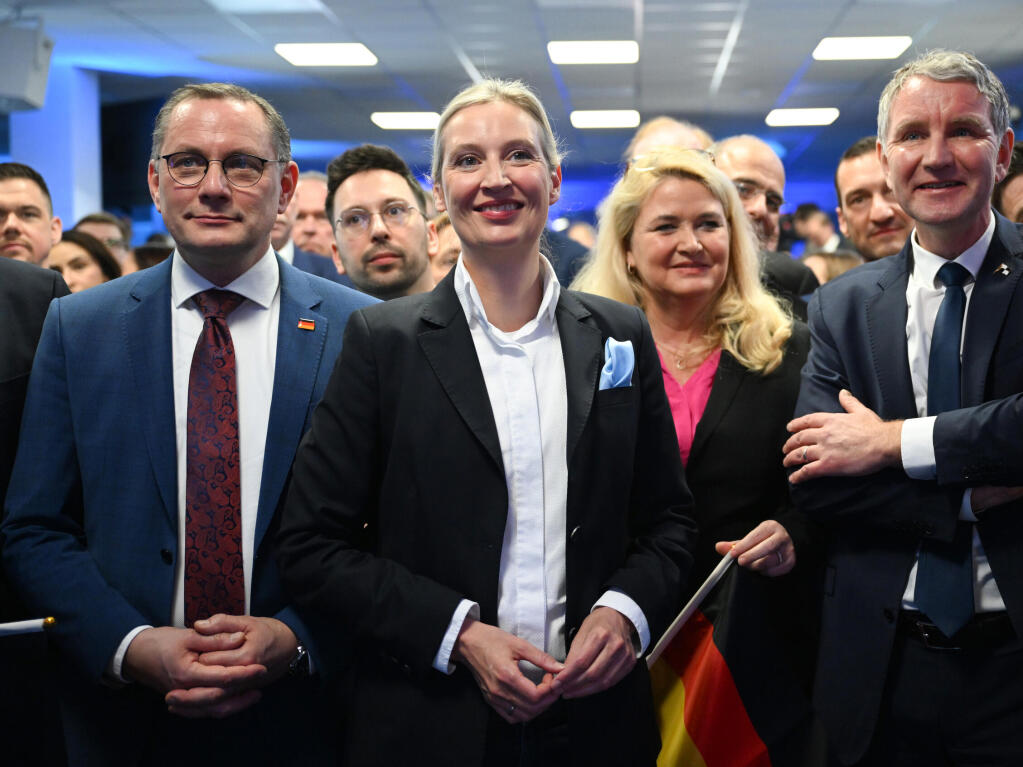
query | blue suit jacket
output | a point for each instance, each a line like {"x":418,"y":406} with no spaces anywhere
{"x":91,"y":532}
{"x":858,"y":342}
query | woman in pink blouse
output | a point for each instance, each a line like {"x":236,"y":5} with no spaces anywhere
{"x":674,"y":239}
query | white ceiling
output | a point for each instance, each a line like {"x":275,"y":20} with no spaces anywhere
{"x":428,"y":49}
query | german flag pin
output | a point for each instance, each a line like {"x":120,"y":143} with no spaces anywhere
{"x":1003,"y":270}
{"x":304,"y":324}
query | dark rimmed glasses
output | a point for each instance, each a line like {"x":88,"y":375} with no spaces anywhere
{"x":355,"y":221}
{"x":241,"y":170}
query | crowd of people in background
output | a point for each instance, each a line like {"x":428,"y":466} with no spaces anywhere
{"x":346,"y":471}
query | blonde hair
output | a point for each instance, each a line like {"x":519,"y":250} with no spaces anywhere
{"x":745,"y":320}
{"x":488,"y":91}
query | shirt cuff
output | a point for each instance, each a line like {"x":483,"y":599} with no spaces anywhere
{"x":918,"y":447}
{"x":442,"y":660}
{"x":623,"y":603}
{"x":114,"y":667}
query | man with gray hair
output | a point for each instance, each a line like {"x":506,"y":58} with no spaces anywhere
{"x":313,"y":230}
{"x":907,"y":444}
{"x":162,"y":417}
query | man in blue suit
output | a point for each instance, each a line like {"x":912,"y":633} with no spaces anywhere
{"x":162,"y":417}
{"x":908,"y":444}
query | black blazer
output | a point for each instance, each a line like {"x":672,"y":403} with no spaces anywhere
{"x":788,"y":279}
{"x":397,"y":511}
{"x":857,"y":326}
{"x":735,"y":467}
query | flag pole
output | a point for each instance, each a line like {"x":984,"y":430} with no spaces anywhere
{"x":691,"y":607}
{"x":26,"y":627}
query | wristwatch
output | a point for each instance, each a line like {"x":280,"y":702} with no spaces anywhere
{"x":299,"y":665}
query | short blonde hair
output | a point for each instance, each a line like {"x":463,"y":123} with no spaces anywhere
{"x":745,"y":319}
{"x":488,"y":91}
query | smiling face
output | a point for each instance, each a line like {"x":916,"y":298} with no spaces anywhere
{"x":221,"y":230}
{"x":942,"y":159}
{"x":27,"y":228}
{"x":75,"y":265}
{"x":679,"y":243}
{"x":495,"y":183}
{"x":385,"y":259}
{"x":868,"y":212}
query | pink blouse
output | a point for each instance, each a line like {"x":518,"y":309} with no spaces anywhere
{"x":688,"y":401}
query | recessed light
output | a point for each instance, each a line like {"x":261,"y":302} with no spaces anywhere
{"x":788,"y":117}
{"x":604,"y":118}
{"x":326,"y":54}
{"x":405,"y":120}
{"x":861,"y":48}
{"x":242,"y":7}
{"x":593,"y":51}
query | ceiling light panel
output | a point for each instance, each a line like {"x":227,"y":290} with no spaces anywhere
{"x":242,"y":7}
{"x":405,"y":120}
{"x":604,"y":118}
{"x":861,"y":48}
{"x":780,"y":118}
{"x":593,"y":51}
{"x":326,"y":54}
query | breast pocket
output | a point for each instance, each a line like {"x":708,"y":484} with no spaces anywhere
{"x":621,"y":395}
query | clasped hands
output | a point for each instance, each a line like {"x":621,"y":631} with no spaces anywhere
{"x":214,"y":669}
{"x":601,"y":654}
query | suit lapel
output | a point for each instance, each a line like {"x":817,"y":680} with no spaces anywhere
{"x":150,"y":360}
{"x":447,"y":343}
{"x":886,"y":315}
{"x":727,"y":382}
{"x":582,"y":349}
{"x":988,"y":305}
{"x":299,"y":352}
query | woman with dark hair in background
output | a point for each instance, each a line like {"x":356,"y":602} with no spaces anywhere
{"x":82,"y":260}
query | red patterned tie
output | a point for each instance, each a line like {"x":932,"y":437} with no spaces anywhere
{"x":214,"y":578}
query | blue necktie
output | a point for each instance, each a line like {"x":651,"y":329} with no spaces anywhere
{"x":944,"y":579}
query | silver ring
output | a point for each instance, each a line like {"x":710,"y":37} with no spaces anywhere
{"x":511,"y":709}
{"x":804,"y":455}
{"x":781,"y":559}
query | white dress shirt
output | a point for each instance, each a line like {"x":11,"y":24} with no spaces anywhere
{"x":287,"y":251}
{"x":524,"y":372}
{"x":253,"y":327}
{"x":924,"y":293}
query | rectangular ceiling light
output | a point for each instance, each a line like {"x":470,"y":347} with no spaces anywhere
{"x":326,"y":54}
{"x":593,"y":51}
{"x":405,"y":120}
{"x":777,"y":118}
{"x":861,"y":48}
{"x":604,"y":118}
{"x":242,"y":7}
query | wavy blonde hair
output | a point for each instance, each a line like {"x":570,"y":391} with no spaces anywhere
{"x":745,"y":320}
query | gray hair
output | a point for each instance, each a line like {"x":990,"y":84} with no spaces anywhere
{"x":485,"y":92}
{"x":279,"y":135}
{"x":946,"y":66}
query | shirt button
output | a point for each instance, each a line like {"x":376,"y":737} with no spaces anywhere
{"x":166,"y":556}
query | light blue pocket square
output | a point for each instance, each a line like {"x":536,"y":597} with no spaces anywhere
{"x":619,"y":360}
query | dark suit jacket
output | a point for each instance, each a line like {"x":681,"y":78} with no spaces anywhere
{"x":91,"y":532}
{"x":734,"y":468}
{"x":25,"y":294}
{"x":788,"y":279}
{"x":398,"y":506}
{"x":857,"y":326}
{"x":321,"y":266}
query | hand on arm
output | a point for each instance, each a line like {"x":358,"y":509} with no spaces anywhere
{"x":766,"y":549}
{"x":601,"y":654}
{"x":850,"y":444}
{"x":492,"y":656}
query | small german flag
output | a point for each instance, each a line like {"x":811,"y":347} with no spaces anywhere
{"x":304,"y":324}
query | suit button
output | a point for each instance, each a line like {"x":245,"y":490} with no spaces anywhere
{"x":166,"y":556}
{"x":928,"y":530}
{"x":889,"y":614}
{"x":407,"y":669}
{"x":575,"y":533}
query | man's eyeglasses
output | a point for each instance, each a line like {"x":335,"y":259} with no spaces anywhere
{"x":355,"y":221}
{"x":750,"y":191}
{"x":189,"y":168}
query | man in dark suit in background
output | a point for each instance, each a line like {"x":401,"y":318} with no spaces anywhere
{"x":29,"y":725}
{"x":759,"y":175}
{"x":283,"y":241}
{"x":921,"y":651}
{"x":162,"y":417}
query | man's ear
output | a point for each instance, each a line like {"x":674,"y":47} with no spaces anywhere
{"x":154,"y":183}
{"x":289,"y":179}
{"x":336,"y":258}
{"x":432,"y":240}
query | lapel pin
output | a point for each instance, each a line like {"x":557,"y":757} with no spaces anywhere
{"x":1003,"y":270}
{"x":304,"y":324}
